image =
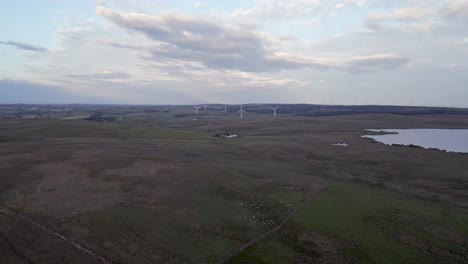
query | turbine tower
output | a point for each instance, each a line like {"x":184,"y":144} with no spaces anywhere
{"x":241,"y":112}
{"x":274,"y":111}
{"x":205,"y":107}
{"x":196,"y":109}
{"x":225,"y":109}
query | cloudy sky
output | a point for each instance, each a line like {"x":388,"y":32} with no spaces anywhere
{"x":405,"y":52}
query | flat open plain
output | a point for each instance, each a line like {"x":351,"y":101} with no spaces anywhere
{"x":159,"y":188}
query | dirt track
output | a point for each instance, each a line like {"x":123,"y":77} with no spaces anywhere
{"x":254,"y":241}
{"x":34,"y":224}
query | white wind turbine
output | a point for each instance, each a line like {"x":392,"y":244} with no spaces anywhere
{"x":274,"y":111}
{"x":196,"y":109}
{"x":225,"y":108}
{"x":205,"y":107}
{"x":241,"y":112}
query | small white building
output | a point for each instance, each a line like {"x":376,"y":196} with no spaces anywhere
{"x":341,"y":144}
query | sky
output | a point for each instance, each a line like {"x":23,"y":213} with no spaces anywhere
{"x":354,"y":52}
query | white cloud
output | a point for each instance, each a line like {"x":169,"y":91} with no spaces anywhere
{"x":201,"y":5}
{"x":267,"y":10}
{"x":101,"y":74}
{"x":453,"y":65}
{"x":405,"y":14}
{"x":456,"y":9}
{"x":339,"y":5}
{"x":197,"y":39}
{"x":359,"y":3}
{"x":274,"y":10}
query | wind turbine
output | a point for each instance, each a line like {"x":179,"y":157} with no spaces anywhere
{"x":241,"y":111}
{"x":225,"y":108}
{"x":205,"y":107}
{"x":196,"y":109}
{"x":274,"y":111}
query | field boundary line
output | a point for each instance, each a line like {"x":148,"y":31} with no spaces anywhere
{"x":12,"y":212}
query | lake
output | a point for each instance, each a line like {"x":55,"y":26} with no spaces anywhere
{"x":453,"y":140}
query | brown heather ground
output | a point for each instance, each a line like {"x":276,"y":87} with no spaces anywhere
{"x":158,"y":188}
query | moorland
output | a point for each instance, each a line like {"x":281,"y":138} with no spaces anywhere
{"x":151,"y":184}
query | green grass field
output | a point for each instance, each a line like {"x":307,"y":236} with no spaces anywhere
{"x":362,"y":220}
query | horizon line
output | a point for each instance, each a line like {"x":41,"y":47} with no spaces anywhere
{"x":233,"y":104}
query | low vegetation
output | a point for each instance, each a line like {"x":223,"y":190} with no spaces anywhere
{"x":154,"y":186}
